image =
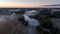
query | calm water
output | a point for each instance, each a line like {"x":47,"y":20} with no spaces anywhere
{"x":32,"y":24}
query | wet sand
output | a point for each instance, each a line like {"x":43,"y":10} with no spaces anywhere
{"x":8,"y":26}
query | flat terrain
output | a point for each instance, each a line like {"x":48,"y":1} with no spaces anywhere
{"x":9,"y":24}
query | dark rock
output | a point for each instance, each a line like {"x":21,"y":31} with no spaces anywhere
{"x":21,"y":19}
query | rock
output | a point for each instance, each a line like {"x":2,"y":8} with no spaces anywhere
{"x":21,"y":19}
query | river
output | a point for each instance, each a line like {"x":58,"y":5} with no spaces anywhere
{"x":32,"y":24}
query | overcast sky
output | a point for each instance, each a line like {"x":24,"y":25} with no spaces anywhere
{"x":27,"y":2}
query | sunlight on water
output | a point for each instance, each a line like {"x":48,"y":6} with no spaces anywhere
{"x":31,"y":13}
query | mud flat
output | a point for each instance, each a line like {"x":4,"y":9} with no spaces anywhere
{"x":9,"y":26}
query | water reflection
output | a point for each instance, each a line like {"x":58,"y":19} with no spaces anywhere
{"x":32,"y":24}
{"x":31,"y":21}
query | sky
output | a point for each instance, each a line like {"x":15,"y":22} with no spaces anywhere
{"x":27,"y":3}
